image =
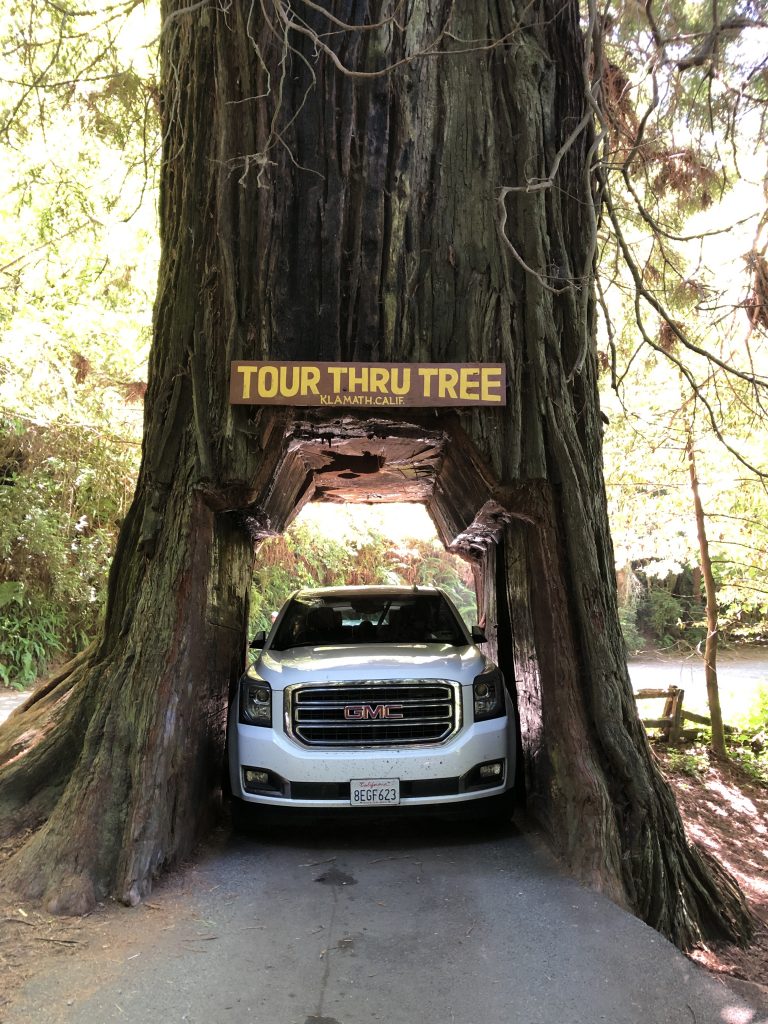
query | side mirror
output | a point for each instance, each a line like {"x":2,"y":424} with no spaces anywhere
{"x":478,"y":635}
{"x":258,"y":641}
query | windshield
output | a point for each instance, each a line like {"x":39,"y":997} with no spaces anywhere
{"x":312,"y":621}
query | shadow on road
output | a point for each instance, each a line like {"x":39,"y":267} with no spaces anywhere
{"x":364,"y":832}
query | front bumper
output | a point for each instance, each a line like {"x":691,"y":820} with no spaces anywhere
{"x":313,"y":777}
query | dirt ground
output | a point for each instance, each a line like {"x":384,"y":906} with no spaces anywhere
{"x":725,"y":810}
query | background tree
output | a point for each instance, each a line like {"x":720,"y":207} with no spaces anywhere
{"x":78,"y":263}
{"x":683,"y":119}
{"x":346,"y":182}
{"x":711,"y":643}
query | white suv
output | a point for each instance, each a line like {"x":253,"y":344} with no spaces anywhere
{"x":370,"y":697}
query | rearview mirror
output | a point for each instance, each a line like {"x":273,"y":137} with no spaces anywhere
{"x":478,"y":635}
{"x":258,"y":641}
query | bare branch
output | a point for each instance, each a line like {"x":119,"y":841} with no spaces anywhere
{"x":654,"y":303}
{"x":502,"y":223}
{"x":349,"y":27}
{"x":707,"y":49}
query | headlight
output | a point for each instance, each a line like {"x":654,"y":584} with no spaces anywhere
{"x":488,"y":693}
{"x":255,"y":703}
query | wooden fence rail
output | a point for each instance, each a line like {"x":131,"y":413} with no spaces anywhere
{"x":671,"y":721}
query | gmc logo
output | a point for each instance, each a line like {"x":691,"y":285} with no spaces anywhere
{"x":365,"y":712}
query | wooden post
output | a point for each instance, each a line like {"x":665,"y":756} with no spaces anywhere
{"x":676,"y":710}
{"x":671,"y":721}
{"x":668,"y":713}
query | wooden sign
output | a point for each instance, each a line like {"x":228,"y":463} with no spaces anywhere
{"x":371,"y":385}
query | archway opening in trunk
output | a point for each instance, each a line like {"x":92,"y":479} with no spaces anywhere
{"x":419,"y":466}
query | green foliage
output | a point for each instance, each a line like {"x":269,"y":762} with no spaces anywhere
{"x":652,"y":514}
{"x":80,"y":127}
{"x":660,"y":614}
{"x":302,"y":557}
{"x":684,"y":332}
{"x":79,"y":123}
{"x":692,"y":762}
{"x":29,"y":640}
{"x":10,"y":593}
{"x":436,"y":568}
{"x":755,"y":719}
{"x":749,"y":746}
{"x":753,"y":762}
{"x":63,"y":492}
{"x":633,"y":639}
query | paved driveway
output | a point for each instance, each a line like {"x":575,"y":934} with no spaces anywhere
{"x":388,"y":925}
{"x":10,"y":699}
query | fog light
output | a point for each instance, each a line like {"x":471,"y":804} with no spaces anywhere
{"x":261,"y":780}
{"x":489,"y":775}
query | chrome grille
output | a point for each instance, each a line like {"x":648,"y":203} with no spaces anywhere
{"x":354,"y":714}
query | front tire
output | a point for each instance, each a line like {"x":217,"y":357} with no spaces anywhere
{"x":496,"y":811}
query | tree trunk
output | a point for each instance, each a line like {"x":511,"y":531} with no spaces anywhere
{"x":307,"y":212}
{"x":717,"y":742}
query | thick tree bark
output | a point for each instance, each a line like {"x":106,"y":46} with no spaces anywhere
{"x":311,"y":213}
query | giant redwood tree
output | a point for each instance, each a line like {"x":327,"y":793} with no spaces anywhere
{"x":363,"y":180}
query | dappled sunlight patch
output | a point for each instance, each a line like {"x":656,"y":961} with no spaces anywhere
{"x":728,"y":815}
{"x":702,"y":836}
{"x":738,"y":1015}
{"x":717,"y":809}
{"x":725,"y":811}
{"x":733,"y":796}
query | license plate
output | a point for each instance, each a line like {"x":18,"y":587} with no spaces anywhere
{"x":374,"y":792}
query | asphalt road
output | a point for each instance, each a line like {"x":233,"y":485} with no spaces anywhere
{"x":389,"y":924}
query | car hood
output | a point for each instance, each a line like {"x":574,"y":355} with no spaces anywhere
{"x":370,"y":661}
